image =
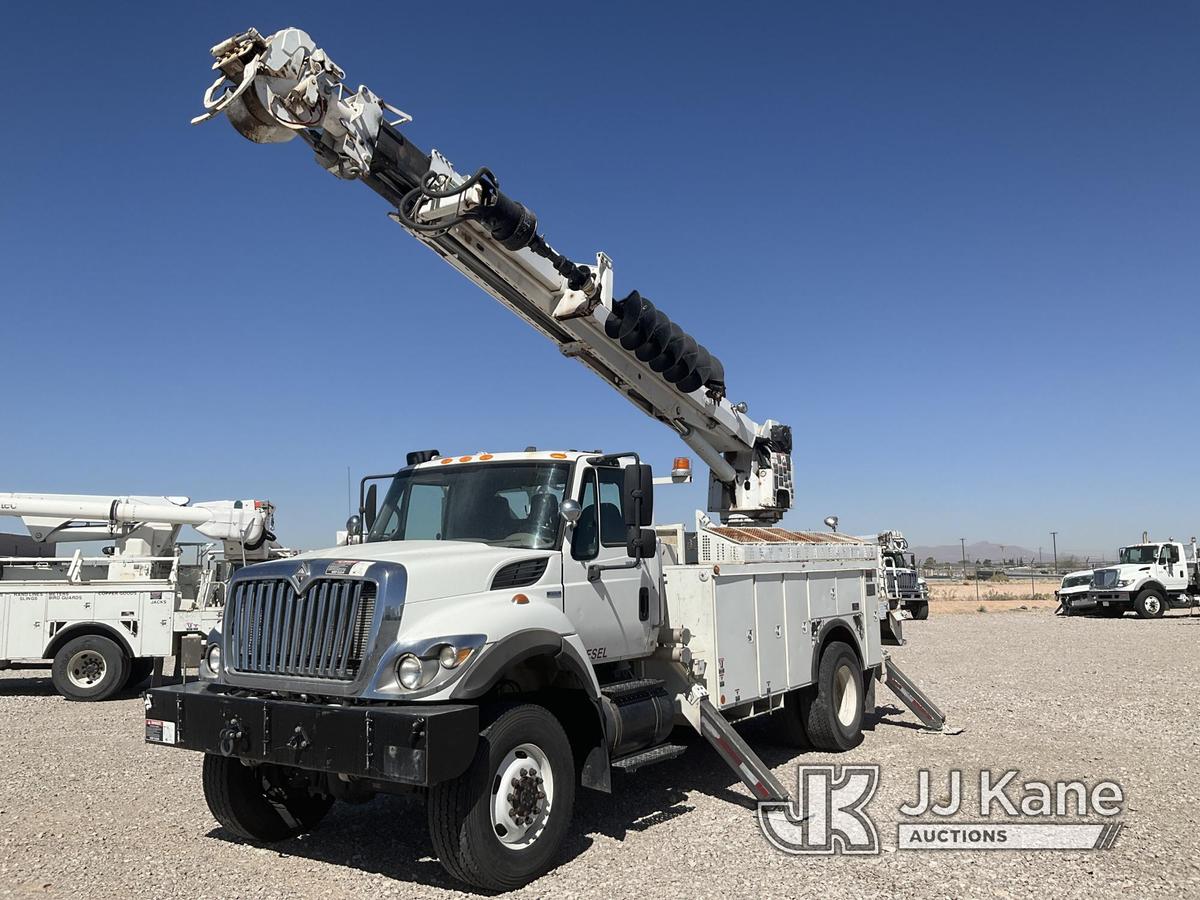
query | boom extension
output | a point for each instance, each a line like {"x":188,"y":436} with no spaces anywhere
{"x":276,"y":88}
{"x":142,"y":525}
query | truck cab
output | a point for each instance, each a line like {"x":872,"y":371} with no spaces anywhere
{"x":553,"y":524}
{"x":1149,"y":578}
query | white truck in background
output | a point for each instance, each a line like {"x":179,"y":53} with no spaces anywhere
{"x":502,"y":626}
{"x":105,"y":620}
{"x":1073,"y":587}
{"x":1149,"y":578}
{"x":899,"y":576}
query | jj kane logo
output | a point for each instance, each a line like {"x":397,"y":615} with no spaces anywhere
{"x":830,"y":813}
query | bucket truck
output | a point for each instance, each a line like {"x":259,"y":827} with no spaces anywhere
{"x":504,"y":626}
{"x":105,"y":620}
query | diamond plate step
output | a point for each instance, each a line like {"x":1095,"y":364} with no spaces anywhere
{"x":658,"y":754}
{"x":621,"y":689}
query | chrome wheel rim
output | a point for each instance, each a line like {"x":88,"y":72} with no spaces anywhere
{"x":522,"y":796}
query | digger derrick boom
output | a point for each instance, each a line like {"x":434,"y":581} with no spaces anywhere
{"x":276,"y":88}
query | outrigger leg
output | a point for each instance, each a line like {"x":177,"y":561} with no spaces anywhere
{"x":718,"y":731}
{"x":912,"y":696}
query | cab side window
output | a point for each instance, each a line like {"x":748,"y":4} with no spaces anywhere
{"x":585,"y":544}
{"x":612,"y":514}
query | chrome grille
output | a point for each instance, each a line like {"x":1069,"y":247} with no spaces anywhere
{"x":1105,"y":578}
{"x":902,"y":581}
{"x":320,"y":633}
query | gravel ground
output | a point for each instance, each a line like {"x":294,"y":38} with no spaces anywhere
{"x":87,"y":808}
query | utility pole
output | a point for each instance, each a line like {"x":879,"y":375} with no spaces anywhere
{"x":1054,"y":538}
{"x":963,"y":541}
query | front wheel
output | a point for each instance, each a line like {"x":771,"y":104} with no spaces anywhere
{"x":500,"y":824}
{"x":91,"y":667}
{"x":1150,"y":604}
{"x":833,"y":713}
{"x":920,"y":611}
{"x":263,"y":803}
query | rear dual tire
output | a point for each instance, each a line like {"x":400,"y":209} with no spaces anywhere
{"x":828,"y":715}
{"x":91,"y":667}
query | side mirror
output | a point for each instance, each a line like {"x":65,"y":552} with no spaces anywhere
{"x":370,"y":507}
{"x":642,"y":543}
{"x":637,"y":496}
{"x":354,"y":526}
{"x":570,"y":510}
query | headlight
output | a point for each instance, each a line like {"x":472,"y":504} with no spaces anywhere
{"x":1125,"y":582}
{"x":409,"y":670}
{"x":213,"y":659}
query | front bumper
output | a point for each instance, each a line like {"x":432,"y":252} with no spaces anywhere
{"x":415,"y":744}
{"x":1106,"y":598}
{"x":1076,"y":601}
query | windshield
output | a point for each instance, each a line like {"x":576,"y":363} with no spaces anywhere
{"x":502,"y":504}
{"x":1140,"y":555}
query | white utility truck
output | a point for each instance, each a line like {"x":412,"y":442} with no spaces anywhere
{"x":506,"y":625}
{"x":899,"y":577}
{"x":1149,"y":578}
{"x":105,"y":620}
{"x":1073,"y":587}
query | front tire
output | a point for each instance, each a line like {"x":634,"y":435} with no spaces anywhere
{"x":139,"y":670}
{"x":91,"y":667}
{"x":920,"y":611}
{"x":833,"y":714}
{"x":1150,"y":604}
{"x":501,"y":823}
{"x":263,"y":803}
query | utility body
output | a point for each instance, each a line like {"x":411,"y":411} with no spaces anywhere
{"x":1149,"y":578}
{"x":501,"y":627}
{"x":105,"y":620}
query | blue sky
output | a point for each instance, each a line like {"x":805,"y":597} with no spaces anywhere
{"x":953,"y":245}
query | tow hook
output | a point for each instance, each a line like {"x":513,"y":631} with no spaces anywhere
{"x":231,"y":737}
{"x":299,"y":740}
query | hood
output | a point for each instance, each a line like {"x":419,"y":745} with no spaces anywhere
{"x":435,"y":568}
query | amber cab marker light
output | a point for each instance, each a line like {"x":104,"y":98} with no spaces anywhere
{"x":520,"y":599}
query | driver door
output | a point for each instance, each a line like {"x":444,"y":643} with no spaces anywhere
{"x":1173,"y":569}
{"x":616,"y":616}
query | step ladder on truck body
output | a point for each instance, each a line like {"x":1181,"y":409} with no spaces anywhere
{"x":750,"y":620}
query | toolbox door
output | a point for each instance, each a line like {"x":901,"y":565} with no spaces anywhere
{"x":772,"y":634}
